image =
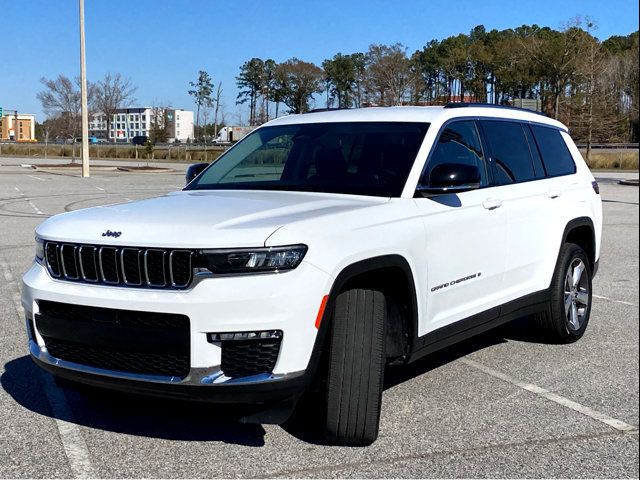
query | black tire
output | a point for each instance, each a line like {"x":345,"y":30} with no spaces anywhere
{"x":356,"y":368}
{"x":555,"y":320}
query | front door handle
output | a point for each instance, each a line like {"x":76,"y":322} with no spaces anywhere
{"x":552,"y":193}
{"x":492,"y":203}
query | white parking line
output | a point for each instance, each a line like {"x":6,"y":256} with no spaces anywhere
{"x":554,"y":397}
{"x":19,"y":191}
{"x":37,"y":178}
{"x":101,"y":189}
{"x":33,"y":205}
{"x":75,"y":448}
{"x":616,"y":301}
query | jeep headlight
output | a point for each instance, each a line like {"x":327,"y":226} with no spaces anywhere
{"x":39,"y":250}
{"x":252,"y":260}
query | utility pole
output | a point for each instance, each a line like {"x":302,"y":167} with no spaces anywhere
{"x":83,"y":89}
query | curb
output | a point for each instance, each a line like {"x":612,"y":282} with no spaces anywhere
{"x":146,"y":170}
{"x":60,"y":168}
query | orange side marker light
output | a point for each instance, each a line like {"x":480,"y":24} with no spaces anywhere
{"x":323,"y":305}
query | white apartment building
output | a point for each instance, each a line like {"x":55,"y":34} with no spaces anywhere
{"x":127,"y":123}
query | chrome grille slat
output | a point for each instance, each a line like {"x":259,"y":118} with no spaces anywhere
{"x":172,"y":274}
{"x":137,"y":267}
{"x":84,"y":266}
{"x":106,"y":265}
{"x":151,"y":273}
{"x":52,"y":257}
{"x":133,"y":274}
{"x":69,"y":261}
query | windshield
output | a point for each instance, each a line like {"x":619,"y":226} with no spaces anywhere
{"x":360,"y":158}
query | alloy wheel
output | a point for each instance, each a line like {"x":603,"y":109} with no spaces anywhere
{"x":576,"y":294}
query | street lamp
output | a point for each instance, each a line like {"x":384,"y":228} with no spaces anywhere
{"x":83,"y":94}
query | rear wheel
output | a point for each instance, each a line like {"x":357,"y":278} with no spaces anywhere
{"x":356,"y":368}
{"x":567,"y":316}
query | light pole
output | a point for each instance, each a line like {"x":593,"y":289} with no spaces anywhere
{"x":83,"y":93}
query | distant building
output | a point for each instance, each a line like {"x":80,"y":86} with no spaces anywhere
{"x":534,"y":104}
{"x":21,"y":128}
{"x":132,"y":122}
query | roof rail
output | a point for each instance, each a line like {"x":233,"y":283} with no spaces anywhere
{"x":318,"y":110}
{"x":489,"y":105}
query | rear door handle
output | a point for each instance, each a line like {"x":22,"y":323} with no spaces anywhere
{"x":554,"y":193}
{"x":492,"y":203}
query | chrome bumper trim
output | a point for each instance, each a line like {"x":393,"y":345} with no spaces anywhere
{"x":197,"y":376}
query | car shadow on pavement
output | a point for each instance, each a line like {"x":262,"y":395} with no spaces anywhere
{"x":132,"y":414}
{"x":523,"y":329}
{"x":193,"y":421}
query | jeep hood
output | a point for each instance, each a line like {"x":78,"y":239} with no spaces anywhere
{"x":198,"y":219}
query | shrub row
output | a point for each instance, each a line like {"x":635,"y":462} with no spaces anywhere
{"x":623,"y":160}
{"x":627,"y":160}
{"x":179,"y":153}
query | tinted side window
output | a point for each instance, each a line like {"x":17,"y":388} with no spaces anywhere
{"x":509,"y":151}
{"x":535,"y":153}
{"x":459,"y":142}
{"x":555,"y":153}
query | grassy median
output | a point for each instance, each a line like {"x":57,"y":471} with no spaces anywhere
{"x":179,"y":153}
{"x":600,"y":159}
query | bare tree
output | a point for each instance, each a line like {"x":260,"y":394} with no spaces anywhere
{"x":201,"y":91}
{"x":61,"y":103}
{"x":112,"y":93}
{"x":159,"y":123}
{"x":590,"y":66}
{"x":388,"y":72}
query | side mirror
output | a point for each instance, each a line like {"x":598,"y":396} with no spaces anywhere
{"x":451,"y":178}
{"x":194,"y":170}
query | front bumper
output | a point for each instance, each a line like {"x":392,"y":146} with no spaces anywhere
{"x":264,"y":389}
{"x":288,"y":302}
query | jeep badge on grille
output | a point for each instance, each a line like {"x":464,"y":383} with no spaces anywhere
{"x":109,"y":233}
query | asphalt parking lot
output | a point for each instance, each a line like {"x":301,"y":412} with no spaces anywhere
{"x":502,"y":405}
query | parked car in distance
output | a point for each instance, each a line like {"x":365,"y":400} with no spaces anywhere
{"x":92,"y":140}
{"x":140,"y":140}
{"x":318,"y":250}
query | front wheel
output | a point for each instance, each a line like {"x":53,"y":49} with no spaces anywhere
{"x":356,"y":368}
{"x":567,"y":316}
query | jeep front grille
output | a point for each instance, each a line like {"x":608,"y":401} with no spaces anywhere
{"x":120,"y":266}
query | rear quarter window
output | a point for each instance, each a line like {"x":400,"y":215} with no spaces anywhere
{"x":555,"y":154}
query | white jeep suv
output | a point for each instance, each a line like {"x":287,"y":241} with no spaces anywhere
{"x":317,"y":250}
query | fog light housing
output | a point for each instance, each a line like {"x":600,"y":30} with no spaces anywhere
{"x":253,"y":335}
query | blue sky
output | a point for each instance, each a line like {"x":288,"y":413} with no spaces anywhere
{"x":161,"y":44}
